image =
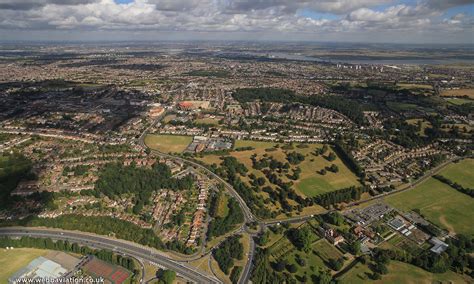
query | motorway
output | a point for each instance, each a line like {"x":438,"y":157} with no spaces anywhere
{"x":119,"y":246}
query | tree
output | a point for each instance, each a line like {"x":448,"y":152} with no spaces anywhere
{"x":301,"y":238}
{"x":331,"y":157}
{"x":335,"y":218}
{"x":165,"y":276}
{"x":229,"y":250}
{"x":280,"y":265}
{"x":235,"y":274}
{"x":355,"y":247}
{"x":336,"y":264}
{"x":334,"y":168}
{"x":291,"y":268}
{"x":376,"y":276}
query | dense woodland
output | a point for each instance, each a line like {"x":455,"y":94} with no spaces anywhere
{"x":116,"y":179}
{"x":227,"y":251}
{"x":221,"y":225}
{"x":13,"y":168}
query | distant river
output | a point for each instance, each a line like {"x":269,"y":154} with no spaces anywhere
{"x":396,"y":61}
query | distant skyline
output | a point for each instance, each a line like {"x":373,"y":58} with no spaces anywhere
{"x":398,"y":21}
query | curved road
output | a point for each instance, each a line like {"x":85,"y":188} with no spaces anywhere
{"x":249,"y":217}
{"x":120,"y":246}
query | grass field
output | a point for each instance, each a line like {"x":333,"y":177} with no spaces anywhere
{"x":223,"y":209}
{"x":396,"y":106}
{"x":326,"y":251}
{"x":400,"y":272}
{"x":168,"y":143}
{"x":414,"y":86}
{"x":461,"y":172}
{"x":439,"y":203}
{"x":458,"y":93}
{"x":169,"y":118}
{"x":458,"y":101}
{"x":211,"y":121}
{"x":13,"y":260}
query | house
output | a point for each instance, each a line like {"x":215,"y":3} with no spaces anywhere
{"x":331,"y":235}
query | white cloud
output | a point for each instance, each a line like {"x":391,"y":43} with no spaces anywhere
{"x":250,"y":16}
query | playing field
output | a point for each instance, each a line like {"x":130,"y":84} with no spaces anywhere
{"x":13,"y":260}
{"x":168,"y":143}
{"x":440,"y":203}
{"x":399,"y":272}
{"x":461,"y":172}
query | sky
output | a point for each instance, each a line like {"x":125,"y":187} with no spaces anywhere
{"x":384,"y":21}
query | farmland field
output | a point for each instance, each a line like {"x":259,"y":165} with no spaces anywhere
{"x":461,"y":172}
{"x":399,"y":272}
{"x":13,"y":260}
{"x":168,"y":143}
{"x":440,"y":204}
{"x":458,"y":93}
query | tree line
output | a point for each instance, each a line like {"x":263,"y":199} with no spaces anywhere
{"x":342,"y":195}
{"x":455,"y":185}
{"x":348,"y":159}
{"x":101,"y":225}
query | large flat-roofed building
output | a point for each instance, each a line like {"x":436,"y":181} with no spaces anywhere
{"x":37,"y":269}
{"x":438,"y":245}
